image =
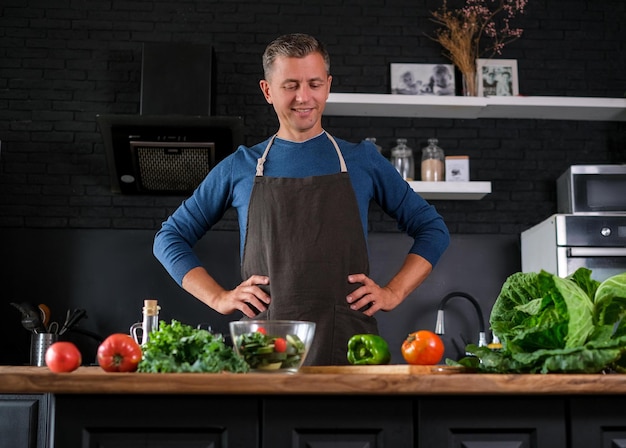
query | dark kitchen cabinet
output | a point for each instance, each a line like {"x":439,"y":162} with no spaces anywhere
{"x":25,"y":420}
{"x":298,"y":421}
{"x":598,"y":422}
{"x":338,"y":422}
{"x":159,"y":421}
{"x":156,"y":421}
{"x":492,"y":422}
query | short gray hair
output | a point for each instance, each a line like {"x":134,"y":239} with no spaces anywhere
{"x":293,"y":46}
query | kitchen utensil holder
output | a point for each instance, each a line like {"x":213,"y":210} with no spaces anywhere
{"x":39,"y":343}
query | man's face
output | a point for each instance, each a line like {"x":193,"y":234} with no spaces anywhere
{"x":298,"y":89}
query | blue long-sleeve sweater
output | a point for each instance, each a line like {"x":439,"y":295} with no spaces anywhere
{"x":229,"y":184}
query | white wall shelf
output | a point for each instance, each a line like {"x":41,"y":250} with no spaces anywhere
{"x":463,"y":107}
{"x":451,"y":190}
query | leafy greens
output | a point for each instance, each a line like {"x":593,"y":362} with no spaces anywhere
{"x":551,"y":324}
{"x":177,"y":347}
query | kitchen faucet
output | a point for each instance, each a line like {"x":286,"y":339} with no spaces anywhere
{"x":439,"y":326}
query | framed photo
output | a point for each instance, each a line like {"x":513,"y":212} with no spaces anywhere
{"x":497,"y":77}
{"x":422,"y":79}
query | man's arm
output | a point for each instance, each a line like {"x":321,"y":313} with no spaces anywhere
{"x":201,"y":285}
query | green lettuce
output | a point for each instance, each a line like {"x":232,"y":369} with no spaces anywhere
{"x":551,"y":324}
{"x":178,"y":347}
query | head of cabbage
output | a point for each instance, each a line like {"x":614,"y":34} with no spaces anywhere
{"x":551,"y":324}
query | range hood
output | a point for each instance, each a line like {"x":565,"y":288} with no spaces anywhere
{"x":163,"y":154}
{"x":175,"y":140}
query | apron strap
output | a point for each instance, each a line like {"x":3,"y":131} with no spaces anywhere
{"x":342,"y":162}
{"x":260,"y":162}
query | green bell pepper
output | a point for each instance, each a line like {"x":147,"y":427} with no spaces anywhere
{"x":368,"y":349}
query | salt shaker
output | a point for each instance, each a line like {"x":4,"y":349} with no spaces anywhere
{"x":150,"y":322}
{"x":402,"y":159}
{"x":433,"y":162}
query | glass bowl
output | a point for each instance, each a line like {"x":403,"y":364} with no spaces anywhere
{"x":272,"y":345}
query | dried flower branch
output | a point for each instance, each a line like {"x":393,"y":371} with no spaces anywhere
{"x":466,"y":31}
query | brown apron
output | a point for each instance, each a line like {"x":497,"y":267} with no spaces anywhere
{"x":305,"y":234}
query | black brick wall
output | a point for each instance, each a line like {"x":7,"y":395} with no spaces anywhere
{"x":64,"y":61}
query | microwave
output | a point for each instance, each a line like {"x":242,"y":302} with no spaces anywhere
{"x":592,"y":189}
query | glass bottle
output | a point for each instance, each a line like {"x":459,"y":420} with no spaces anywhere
{"x":433,"y":162}
{"x":402,"y":159}
{"x":373,"y":140}
{"x":150,"y":322}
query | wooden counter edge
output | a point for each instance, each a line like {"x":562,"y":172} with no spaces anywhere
{"x":93,"y":380}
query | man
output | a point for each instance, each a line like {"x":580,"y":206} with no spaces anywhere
{"x":505,"y":87}
{"x":302,"y":199}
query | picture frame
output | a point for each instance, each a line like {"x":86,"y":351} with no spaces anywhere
{"x":422,"y":79}
{"x":497,"y":77}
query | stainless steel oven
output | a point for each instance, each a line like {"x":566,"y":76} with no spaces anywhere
{"x":564,"y":242}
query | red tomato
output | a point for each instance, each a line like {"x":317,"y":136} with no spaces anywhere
{"x":261,"y":330}
{"x":119,"y":353}
{"x":63,"y":357}
{"x":422,"y":348}
{"x":280,"y":345}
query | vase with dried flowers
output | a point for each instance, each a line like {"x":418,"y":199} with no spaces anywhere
{"x":480,"y":28}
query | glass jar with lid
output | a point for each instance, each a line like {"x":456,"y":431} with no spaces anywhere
{"x":433,"y":162}
{"x":402,"y":159}
{"x":373,"y":140}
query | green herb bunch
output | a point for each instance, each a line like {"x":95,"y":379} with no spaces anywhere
{"x":177,"y":347}
{"x":551,"y":324}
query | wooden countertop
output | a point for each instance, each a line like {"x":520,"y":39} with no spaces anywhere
{"x":348,"y":380}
